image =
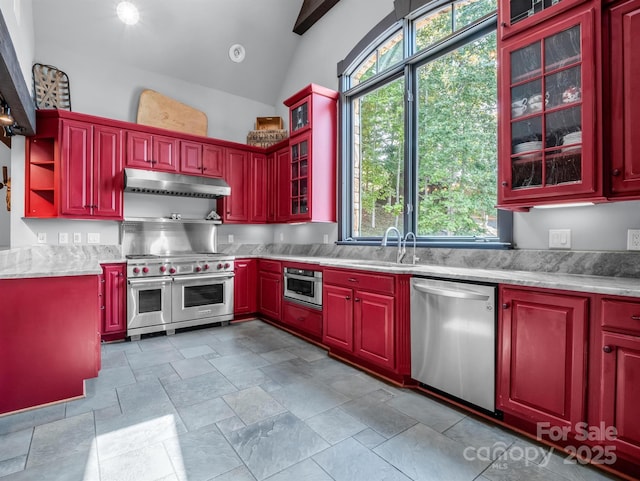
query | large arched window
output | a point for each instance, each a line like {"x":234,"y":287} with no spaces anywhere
{"x":419,"y":128}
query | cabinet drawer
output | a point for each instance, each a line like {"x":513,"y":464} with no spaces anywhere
{"x":270,"y":266}
{"x":621,"y":315}
{"x":359,"y":280}
{"x":308,"y":320}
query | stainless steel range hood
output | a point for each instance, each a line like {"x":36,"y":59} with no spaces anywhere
{"x":165,"y":183}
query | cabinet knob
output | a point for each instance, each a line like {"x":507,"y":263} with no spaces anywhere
{"x":615,"y":172}
{"x":356,"y":300}
{"x":607,"y":349}
{"x":353,"y":279}
{"x":506,"y":305}
{"x":505,"y":183}
{"x":348,"y":298}
{"x":503,"y":24}
{"x":635,"y":318}
{"x":102,"y":308}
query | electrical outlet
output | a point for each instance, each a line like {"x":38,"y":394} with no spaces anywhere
{"x":93,"y":238}
{"x":42,"y":237}
{"x":560,"y":238}
{"x":63,"y":237}
{"x":230,"y":238}
{"x":77,"y":237}
{"x":633,"y":239}
{"x":281,"y":236}
{"x":325,"y":239}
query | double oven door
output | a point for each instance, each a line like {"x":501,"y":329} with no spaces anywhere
{"x":202,"y":297}
{"x":148,"y":303}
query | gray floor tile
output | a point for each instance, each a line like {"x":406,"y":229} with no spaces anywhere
{"x":147,"y":358}
{"x":149,"y":463}
{"x":238,"y":474}
{"x":379,"y":416}
{"x":253,"y":404}
{"x":15,"y":444}
{"x":266,"y":343}
{"x":424,"y":454}
{"x":307,"y":470}
{"x":52,"y":441}
{"x":198,"y":389}
{"x":279,"y":355}
{"x":238,"y":362}
{"x":147,"y":396}
{"x":192,"y":367}
{"x":112,"y":359}
{"x":560,"y":463}
{"x":229,"y":425}
{"x":33,"y":417}
{"x":12,"y":465}
{"x":132,"y":431}
{"x":124,"y":346}
{"x":369,"y":438}
{"x":286,"y":373}
{"x":351,"y":461}
{"x":309,"y":352}
{"x":306,"y":399}
{"x":92,"y":402}
{"x":77,"y":467}
{"x":246,"y":379}
{"x":228,"y":347}
{"x":431,"y":413}
{"x":195,"y":351}
{"x":191,"y":339}
{"x":335,"y":425}
{"x":205,"y":413}
{"x":325,"y":369}
{"x":157,"y":343}
{"x":201,"y":455}
{"x":354,"y":386}
{"x":480,"y":435}
{"x":111,"y":378}
{"x":508,"y":470}
{"x":274,"y":444}
{"x":163,"y":372}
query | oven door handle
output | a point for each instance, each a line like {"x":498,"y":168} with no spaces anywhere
{"x":203,"y":277}
{"x":138,"y":282}
{"x":302,"y":278}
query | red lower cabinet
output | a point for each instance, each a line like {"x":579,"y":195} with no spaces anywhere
{"x":542,"y":356}
{"x":48,"y":346}
{"x":303,"y":319}
{"x":244,"y":287}
{"x":270,"y":289}
{"x":113,"y":307}
{"x":365,"y":318}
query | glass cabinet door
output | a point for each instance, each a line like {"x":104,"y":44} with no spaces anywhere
{"x":547,"y":112}
{"x":300,"y":176}
{"x":300,"y":116}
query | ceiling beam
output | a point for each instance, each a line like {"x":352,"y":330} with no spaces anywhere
{"x":310,"y":13}
{"x":13,"y":86}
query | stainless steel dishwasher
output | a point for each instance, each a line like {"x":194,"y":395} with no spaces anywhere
{"x":453,"y":339}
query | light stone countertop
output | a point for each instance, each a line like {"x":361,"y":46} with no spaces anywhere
{"x":621,"y":286}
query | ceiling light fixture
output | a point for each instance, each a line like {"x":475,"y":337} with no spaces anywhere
{"x":236,"y":53}
{"x":128,"y":13}
{"x":6,"y":119}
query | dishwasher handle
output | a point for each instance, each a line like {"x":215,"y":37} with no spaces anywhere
{"x":460,"y":294}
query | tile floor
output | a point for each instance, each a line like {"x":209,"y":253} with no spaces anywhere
{"x":249,"y":402}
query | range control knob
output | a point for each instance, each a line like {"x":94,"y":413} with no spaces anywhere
{"x":136,"y":270}
{"x":219,"y":266}
{"x":206,"y":267}
{"x":163,"y":268}
{"x":145,"y":270}
{"x":198,"y":268}
{"x":172,"y":270}
{"x":227,"y":265}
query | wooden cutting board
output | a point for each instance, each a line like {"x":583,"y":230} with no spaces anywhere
{"x":157,"y":110}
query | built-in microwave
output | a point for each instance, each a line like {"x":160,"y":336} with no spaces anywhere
{"x":302,"y":285}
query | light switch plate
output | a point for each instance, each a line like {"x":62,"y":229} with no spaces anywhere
{"x":559,"y":238}
{"x":77,"y":237}
{"x":633,"y":239}
{"x":63,"y":237}
{"x":230,"y":238}
{"x":42,"y":237}
{"x":93,"y":238}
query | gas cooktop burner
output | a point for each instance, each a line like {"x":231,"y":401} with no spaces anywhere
{"x":152,"y":265}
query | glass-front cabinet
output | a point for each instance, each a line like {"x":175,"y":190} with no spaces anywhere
{"x":300,"y":181}
{"x":548,"y":145}
{"x":518,"y":15}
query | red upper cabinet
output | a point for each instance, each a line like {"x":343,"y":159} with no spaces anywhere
{"x":190,"y":157}
{"x":212,"y":160}
{"x":312,"y":155}
{"x":542,"y":356}
{"x":518,"y":15}
{"x":91,"y":170}
{"x":258,"y":192}
{"x":235,"y":207}
{"x":549,"y":147}
{"x":201,"y":159}
{"x":150,"y":151}
{"x":623,"y":99}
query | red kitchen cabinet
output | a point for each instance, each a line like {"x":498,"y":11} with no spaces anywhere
{"x":615,"y":391}
{"x":361,"y":317}
{"x":244,"y":287}
{"x":542,"y":356}
{"x":48,"y":345}
{"x":270,"y":289}
{"x":303,"y":319}
{"x":212,"y":160}
{"x":623,"y":99}
{"x":234,"y":208}
{"x":113,"y":307}
{"x":190,"y":157}
{"x":516,"y":16}
{"x":312,"y":155}
{"x":76,"y":168}
{"x":550,"y":142}
{"x":278,"y":185}
{"x":151,"y":151}
{"x":201,"y":159}
{"x":107,"y":180}
{"x":258,"y":190}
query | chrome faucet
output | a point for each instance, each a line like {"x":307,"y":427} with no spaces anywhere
{"x":404,"y":247}
{"x":385,"y":240}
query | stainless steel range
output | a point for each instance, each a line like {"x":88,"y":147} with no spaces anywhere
{"x":175,"y":288}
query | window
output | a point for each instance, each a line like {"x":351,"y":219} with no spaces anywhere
{"x":419,"y":127}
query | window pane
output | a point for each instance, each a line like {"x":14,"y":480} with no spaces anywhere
{"x":468,"y":11}
{"x":457,"y":142}
{"x":378,"y":160}
{"x":432,"y":27}
{"x":385,"y":56}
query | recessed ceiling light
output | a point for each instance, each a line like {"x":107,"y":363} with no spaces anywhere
{"x":236,"y":53}
{"x":128,"y":13}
